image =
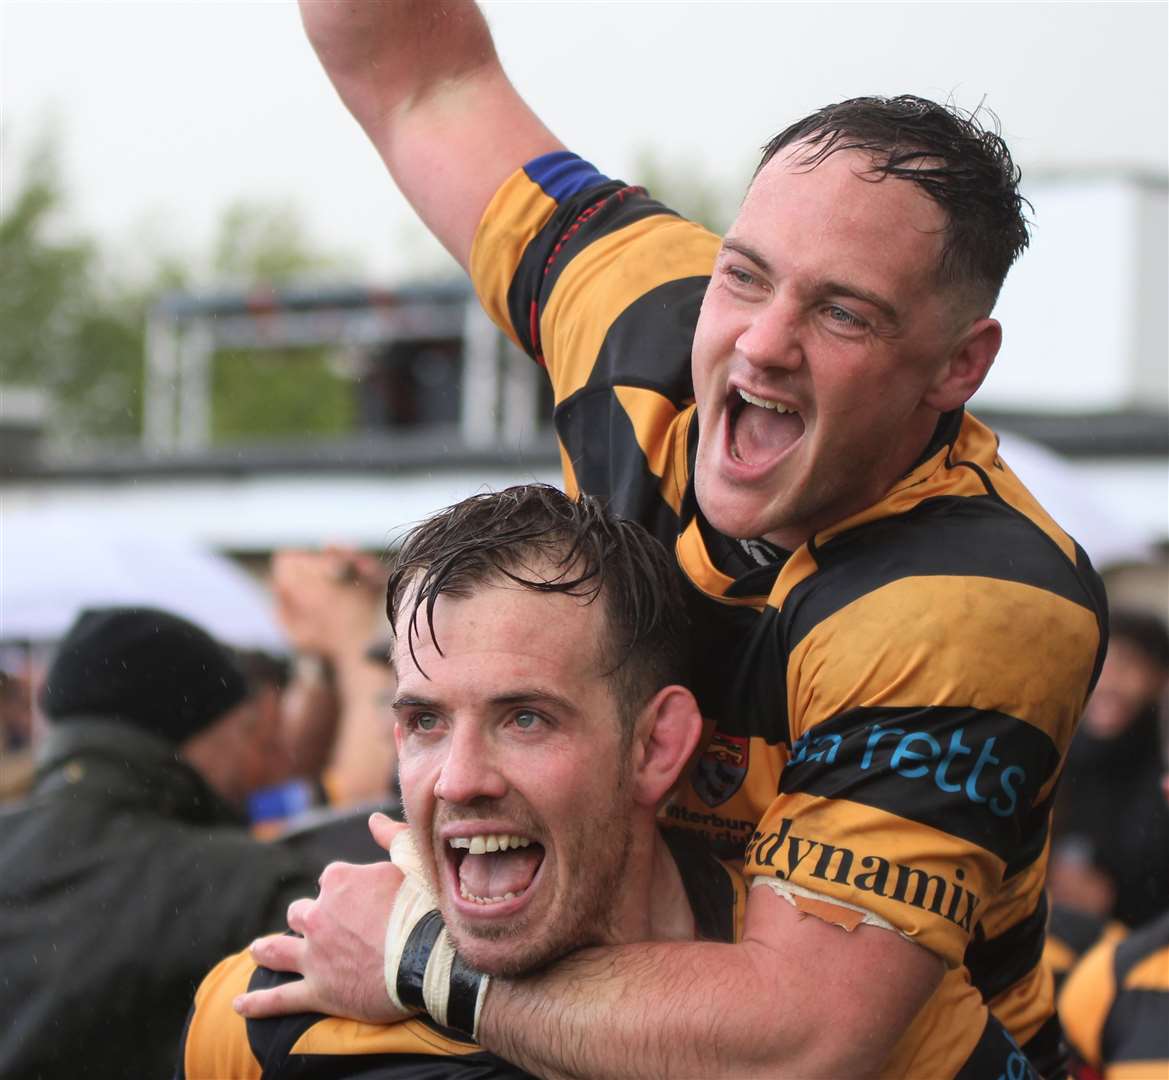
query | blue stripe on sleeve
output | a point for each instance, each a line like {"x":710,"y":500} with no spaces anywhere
{"x":562,"y":174}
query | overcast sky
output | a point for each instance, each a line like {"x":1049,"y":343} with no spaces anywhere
{"x":167,"y":111}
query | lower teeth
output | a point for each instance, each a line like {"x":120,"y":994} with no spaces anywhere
{"x":485,"y":899}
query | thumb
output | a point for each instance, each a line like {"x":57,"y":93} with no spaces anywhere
{"x":383,"y":829}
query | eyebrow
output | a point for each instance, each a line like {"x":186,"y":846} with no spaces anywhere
{"x":532,"y":696}
{"x":822,"y":288}
{"x":748,"y":252}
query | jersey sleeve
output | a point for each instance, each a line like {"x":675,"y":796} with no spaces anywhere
{"x":601,"y":285}
{"x":1086,"y":1000}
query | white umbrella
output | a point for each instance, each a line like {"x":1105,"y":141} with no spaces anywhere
{"x":1102,"y":528}
{"x":54,"y":564}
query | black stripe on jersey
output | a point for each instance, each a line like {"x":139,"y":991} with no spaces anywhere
{"x":1046,"y":1049}
{"x":480,"y":1066}
{"x":1078,"y":930}
{"x":964,"y":536}
{"x":967,"y":772}
{"x":1139,"y":944}
{"x":574,"y":225}
{"x":1136,"y":1028}
{"x":999,"y":962}
{"x":1095,"y":585}
{"x":996,"y":1054}
{"x":273,"y":1038}
{"x":607,"y":461}
{"x":653,"y":336}
{"x":740,"y":678}
{"x":1033,"y":837}
{"x":708,"y":888}
{"x":617,"y":210}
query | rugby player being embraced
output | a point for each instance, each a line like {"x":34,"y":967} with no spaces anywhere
{"x":540,"y":723}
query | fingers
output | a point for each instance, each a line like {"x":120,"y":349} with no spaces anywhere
{"x":293,"y":997}
{"x":280,"y":952}
{"x":384,"y":829}
{"x":297,"y":913}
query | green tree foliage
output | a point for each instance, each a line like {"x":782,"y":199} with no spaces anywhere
{"x":687,"y":187}
{"x":64,"y":331}
{"x":274,"y":392}
{"x":75,"y":329}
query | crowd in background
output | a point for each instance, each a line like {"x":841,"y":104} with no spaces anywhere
{"x":285,"y":755}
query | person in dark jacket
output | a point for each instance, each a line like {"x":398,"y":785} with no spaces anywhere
{"x":128,"y":871}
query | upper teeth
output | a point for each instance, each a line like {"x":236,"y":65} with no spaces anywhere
{"x":763,"y":403}
{"x":485,"y":842}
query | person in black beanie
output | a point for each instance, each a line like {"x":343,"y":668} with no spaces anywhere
{"x":128,"y":871}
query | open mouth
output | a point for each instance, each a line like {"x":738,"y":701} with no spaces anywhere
{"x":760,"y":429}
{"x":493,"y":868}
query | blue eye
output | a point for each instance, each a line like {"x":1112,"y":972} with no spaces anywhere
{"x":845,"y":318}
{"x":527,"y":720}
{"x":424,"y":721}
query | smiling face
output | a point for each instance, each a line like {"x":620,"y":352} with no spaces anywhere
{"x":820,"y":348}
{"x":514,"y":773}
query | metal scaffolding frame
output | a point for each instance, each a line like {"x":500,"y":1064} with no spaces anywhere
{"x":500,"y":386}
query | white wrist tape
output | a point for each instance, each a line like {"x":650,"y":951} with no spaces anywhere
{"x":423,"y":971}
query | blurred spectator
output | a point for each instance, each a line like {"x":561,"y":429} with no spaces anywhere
{"x":1114,"y":1006}
{"x":331,"y":604}
{"x":127,"y":872}
{"x":1110,"y":852}
{"x":1070,"y":934}
{"x":16,"y":724}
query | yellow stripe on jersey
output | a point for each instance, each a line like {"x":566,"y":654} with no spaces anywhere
{"x":604,"y":279}
{"x":1025,"y":1006}
{"x":928,"y":884}
{"x":516,"y":213}
{"x":955,"y":1008}
{"x":217,"y":1038}
{"x":1152,"y":973}
{"x":901,"y":645}
{"x":1136,"y":1070}
{"x":661,"y":432}
{"x":694,"y":560}
{"x":332,"y":1035}
{"x":1086,"y":998}
{"x":1021,"y":893}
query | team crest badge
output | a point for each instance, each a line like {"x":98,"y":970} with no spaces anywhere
{"x":721,"y":769}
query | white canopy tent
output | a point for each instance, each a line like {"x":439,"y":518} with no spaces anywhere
{"x":54,"y":563}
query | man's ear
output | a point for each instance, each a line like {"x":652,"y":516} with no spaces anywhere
{"x":968,"y":364}
{"x":665,"y":738}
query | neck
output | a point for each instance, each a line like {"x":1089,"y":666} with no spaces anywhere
{"x":654,"y":905}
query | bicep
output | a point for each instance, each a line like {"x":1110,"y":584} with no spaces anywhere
{"x":861,"y":988}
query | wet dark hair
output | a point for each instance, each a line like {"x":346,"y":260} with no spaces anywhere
{"x":537,"y":537}
{"x":963,"y":166}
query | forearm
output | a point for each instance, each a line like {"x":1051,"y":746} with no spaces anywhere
{"x":654,"y":1010}
{"x":363,"y":759}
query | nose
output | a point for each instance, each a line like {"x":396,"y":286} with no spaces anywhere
{"x":773,"y":336}
{"x":469,"y":770}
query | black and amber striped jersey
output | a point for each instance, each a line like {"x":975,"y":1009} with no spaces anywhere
{"x":1070,"y":934}
{"x":892,"y":700}
{"x":1115,"y":1006}
{"x":219,"y":1044}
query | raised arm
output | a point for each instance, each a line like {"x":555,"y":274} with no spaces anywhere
{"x":423,"y":80}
